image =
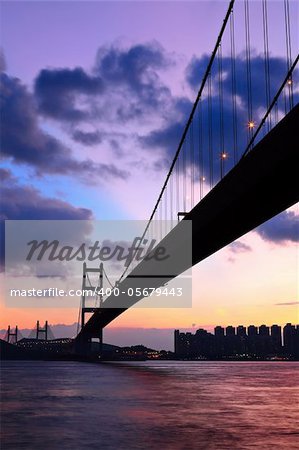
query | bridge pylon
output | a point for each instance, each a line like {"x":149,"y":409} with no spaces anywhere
{"x":42,"y":330}
{"x":13,"y":334}
{"x":85,"y":345}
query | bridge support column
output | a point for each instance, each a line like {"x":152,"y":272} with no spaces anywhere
{"x":86,"y":345}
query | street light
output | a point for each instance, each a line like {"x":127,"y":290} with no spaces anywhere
{"x":223,"y":157}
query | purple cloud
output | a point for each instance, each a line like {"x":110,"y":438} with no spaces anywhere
{"x":136,"y":68}
{"x":21,"y":202}
{"x":282,"y":228}
{"x":278,"y":69}
{"x":24,"y":142}
{"x":87,"y":137}
{"x":27,"y":203}
{"x":125,"y":85}
{"x":57,"y":92}
{"x":239,"y":247}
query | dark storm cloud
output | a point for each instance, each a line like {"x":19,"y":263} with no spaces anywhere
{"x":58,"y":90}
{"x":23,"y":141}
{"x":27,"y":203}
{"x":284,"y":227}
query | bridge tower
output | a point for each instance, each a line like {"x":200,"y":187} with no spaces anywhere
{"x":42,"y":330}
{"x":96,"y":289}
{"x":10,"y":334}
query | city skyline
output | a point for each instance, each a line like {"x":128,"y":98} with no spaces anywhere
{"x":253,"y":341}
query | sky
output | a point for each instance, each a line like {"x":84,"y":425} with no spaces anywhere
{"x":86,"y":86}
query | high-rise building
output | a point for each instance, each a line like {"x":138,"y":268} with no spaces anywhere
{"x":264,"y":347}
{"x":177,"y":342}
{"x":231,"y":342}
{"x":264,"y":330}
{"x":219,"y":341}
{"x":219,"y":331}
{"x":204,"y":344}
{"x":230,"y":331}
{"x":242,"y":340}
{"x":289,"y":339}
{"x":252,"y":330}
{"x":182,"y":343}
{"x":241,"y":331}
{"x":252,"y":340}
{"x":276,"y":339}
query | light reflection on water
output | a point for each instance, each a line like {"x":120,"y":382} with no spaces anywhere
{"x":150,"y":405}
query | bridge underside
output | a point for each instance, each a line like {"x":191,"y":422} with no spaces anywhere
{"x":261,"y":185}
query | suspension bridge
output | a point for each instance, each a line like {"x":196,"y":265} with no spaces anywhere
{"x":235,"y":164}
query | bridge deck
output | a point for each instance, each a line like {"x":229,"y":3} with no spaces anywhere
{"x":261,"y":185}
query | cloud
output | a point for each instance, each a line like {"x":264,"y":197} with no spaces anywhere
{"x":124,"y":85}
{"x":2,"y":61}
{"x":131,"y":76}
{"x":87,"y":137}
{"x":236,"y":248}
{"x":24,"y":142}
{"x":58,"y":92}
{"x":27,"y":203}
{"x":20,"y":202}
{"x":278,"y":69}
{"x":286,"y":304}
{"x":167,"y":137}
{"x":135,"y":67}
{"x":239,"y":247}
{"x":282,"y":228}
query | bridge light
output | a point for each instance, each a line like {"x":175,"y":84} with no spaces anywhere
{"x":251,"y":124}
{"x":224,"y":155}
{"x":202,"y":178}
{"x":289,"y":82}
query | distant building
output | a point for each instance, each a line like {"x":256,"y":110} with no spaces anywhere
{"x":183,"y":344}
{"x":219,"y":341}
{"x":264,"y":330}
{"x":276,"y":339}
{"x":230,"y":331}
{"x":264,"y":347}
{"x":290,"y":339}
{"x":253,"y":342}
{"x":219,"y":331}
